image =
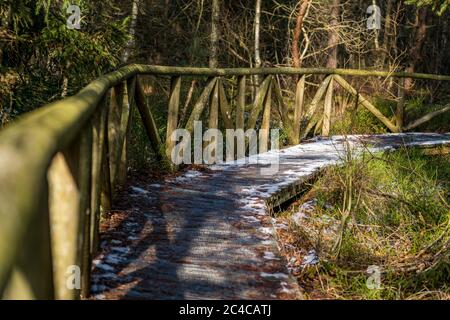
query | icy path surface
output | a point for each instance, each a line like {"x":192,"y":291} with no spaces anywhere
{"x":209,"y":234}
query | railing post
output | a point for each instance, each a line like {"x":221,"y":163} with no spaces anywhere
{"x":148,"y":121}
{"x":32,"y":274}
{"x":298,"y":108}
{"x":129,"y":102}
{"x":114,"y":132}
{"x":265,"y":124}
{"x":240,"y":104}
{"x":200,"y":104}
{"x":328,"y":105}
{"x":259,"y":102}
{"x":311,"y":112}
{"x":213,"y":123}
{"x":85,"y":185}
{"x":214,"y":108}
{"x":172,"y":116}
{"x":98,"y":144}
{"x":224,"y":106}
{"x":69,"y":179}
{"x":105,"y":180}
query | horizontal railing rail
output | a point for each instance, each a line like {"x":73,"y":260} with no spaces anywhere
{"x":60,"y":164}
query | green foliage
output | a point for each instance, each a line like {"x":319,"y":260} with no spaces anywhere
{"x":438,"y":6}
{"x":50,"y":60}
{"x":358,"y":120}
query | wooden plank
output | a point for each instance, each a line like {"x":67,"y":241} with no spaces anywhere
{"x":200,"y":104}
{"x":311,"y":124}
{"x":426,"y":118}
{"x":298,"y":108}
{"x":259,"y":102}
{"x":328,"y":106}
{"x":366,"y":103}
{"x":172,"y":115}
{"x":312,"y":108}
{"x":240,"y":103}
{"x":149,"y":122}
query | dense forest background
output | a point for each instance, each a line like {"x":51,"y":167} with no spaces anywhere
{"x":42,"y":60}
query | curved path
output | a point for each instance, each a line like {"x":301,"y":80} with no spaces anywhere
{"x":209,"y":235}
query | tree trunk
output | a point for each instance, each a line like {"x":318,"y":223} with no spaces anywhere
{"x":415,"y":56}
{"x":333,"y":38}
{"x":131,"y":44}
{"x":257,"y":32}
{"x":214,"y":44}
{"x":296,"y":59}
{"x":387,"y":34}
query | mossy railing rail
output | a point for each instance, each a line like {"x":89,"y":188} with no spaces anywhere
{"x":60,"y":164}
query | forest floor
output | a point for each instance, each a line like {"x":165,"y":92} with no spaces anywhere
{"x":377,"y":227}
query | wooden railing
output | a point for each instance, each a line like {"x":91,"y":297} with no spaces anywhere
{"x":60,"y":164}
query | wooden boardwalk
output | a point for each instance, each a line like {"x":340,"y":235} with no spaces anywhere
{"x":209,"y":234}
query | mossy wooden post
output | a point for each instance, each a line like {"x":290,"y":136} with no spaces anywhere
{"x":240,"y":103}
{"x":149,"y":122}
{"x":115,"y":117}
{"x":265,"y":124}
{"x":98,"y":137}
{"x":258,"y":103}
{"x":69,"y":194}
{"x":317,"y":97}
{"x":172,"y":116}
{"x":126,"y":123}
{"x":328,"y":106}
{"x":298,"y":107}
{"x":213,"y":122}
{"x":225,"y":109}
{"x":32,"y":276}
{"x":200,"y":104}
{"x":105,"y":180}
{"x":65,"y":223}
{"x":399,"y":114}
{"x":84,"y":185}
